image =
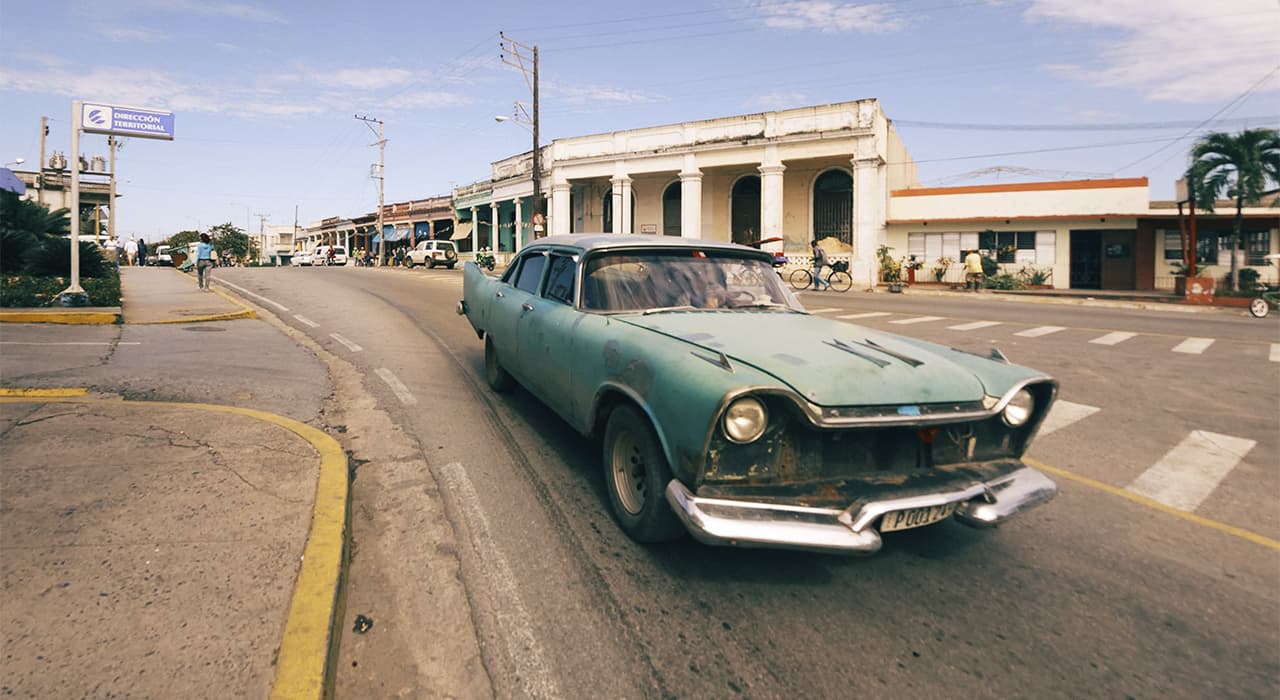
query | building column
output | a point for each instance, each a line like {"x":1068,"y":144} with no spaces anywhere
{"x":690,"y":199}
{"x":771,"y":200}
{"x":475,"y":230}
{"x":560,"y":208}
{"x":495,"y":236}
{"x":518,"y":228}
{"x":621,"y":204}
{"x":868,"y":218}
{"x":431,"y":229}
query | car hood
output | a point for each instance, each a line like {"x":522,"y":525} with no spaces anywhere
{"x":828,"y":362}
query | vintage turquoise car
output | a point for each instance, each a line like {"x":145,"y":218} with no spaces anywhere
{"x":726,"y":410}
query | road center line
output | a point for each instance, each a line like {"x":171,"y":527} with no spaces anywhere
{"x":869,"y":314}
{"x":20,"y":342}
{"x":523,"y":648}
{"x":917,"y":319}
{"x":823,"y":311}
{"x":349,"y":345}
{"x":397,"y":387}
{"x":1186,"y":476}
{"x":1194,"y":346}
{"x":1037,"y":332}
{"x":305,"y":320}
{"x":973,"y":326}
{"x":259,"y":297}
{"x":1275,"y":352}
{"x":1112,"y":338}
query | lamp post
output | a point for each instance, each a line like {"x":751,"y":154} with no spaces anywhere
{"x":18,"y":161}
{"x":530,"y":124}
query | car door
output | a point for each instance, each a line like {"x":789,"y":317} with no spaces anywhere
{"x":546,"y":336}
{"x":514,"y":297}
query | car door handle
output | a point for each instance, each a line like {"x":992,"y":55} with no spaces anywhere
{"x":500,"y":294}
{"x":527,"y":306}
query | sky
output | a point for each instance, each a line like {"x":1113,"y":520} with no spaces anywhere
{"x":265,"y":95}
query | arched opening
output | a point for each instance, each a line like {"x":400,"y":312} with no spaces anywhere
{"x":671,"y":201}
{"x":745,"y":210}
{"x":833,"y":206}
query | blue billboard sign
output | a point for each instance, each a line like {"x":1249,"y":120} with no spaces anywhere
{"x":126,"y":121}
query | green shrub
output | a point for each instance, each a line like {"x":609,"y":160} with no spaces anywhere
{"x":1005,"y":281}
{"x":52,"y":258}
{"x":1248,"y":279}
{"x":27,"y":291}
{"x":989,"y":266}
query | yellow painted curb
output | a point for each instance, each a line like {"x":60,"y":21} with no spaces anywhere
{"x":44,"y":393}
{"x":1157,"y":505}
{"x":64,"y":317}
{"x":305,"y":665}
{"x":229,"y":316}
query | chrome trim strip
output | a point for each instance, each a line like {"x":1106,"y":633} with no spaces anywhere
{"x":720,"y":521}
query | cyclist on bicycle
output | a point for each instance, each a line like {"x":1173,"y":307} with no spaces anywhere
{"x":819,"y":261}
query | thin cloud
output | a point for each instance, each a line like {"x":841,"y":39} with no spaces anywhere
{"x":776,"y":100}
{"x":828,"y":16}
{"x":134,"y":35}
{"x":233,"y":10}
{"x":599,"y":94}
{"x":1175,"y":50}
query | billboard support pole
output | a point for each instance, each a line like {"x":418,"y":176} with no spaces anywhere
{"x":75,"y":288}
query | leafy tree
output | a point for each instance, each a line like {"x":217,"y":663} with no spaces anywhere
{"x":231,"y":241}
{"x":182,"y":238}
{"x":1239,"y":166}
{"x":24,"y":227}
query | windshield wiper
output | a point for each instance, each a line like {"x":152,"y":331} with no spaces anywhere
{"x":756,"y":305}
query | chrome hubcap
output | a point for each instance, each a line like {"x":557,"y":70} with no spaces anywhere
{"x":628,"y":473}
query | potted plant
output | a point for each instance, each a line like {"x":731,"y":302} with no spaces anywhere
{"x":942,"y":264}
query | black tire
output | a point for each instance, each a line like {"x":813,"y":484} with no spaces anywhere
{"x":431,"y":264}
{"x":840,"y":281}
{"x":1259,"y":308}
{"x":801,"y":279}
{"x":636,"y":477}
{"x":498,"y":378}
{"x":490,"y":265}
{"x":451,"y":255}
{"x":450,"y":265}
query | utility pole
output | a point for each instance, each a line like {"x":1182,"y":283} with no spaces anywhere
{"x":520,"y":56}
{"x":262,"y":235}
{"x":113,"y":144}
{"x":382,"y":147}
{"x":44,"y":132}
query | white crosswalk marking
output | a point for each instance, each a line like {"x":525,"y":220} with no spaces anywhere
{"x":1275,"y":352}
{"x":1037,"y":332}
{"x":397,"y":387}
{"x":917,"y":319}
{"x":1064,"y":413}
{"x":868,"y":314}
{"x":823,"y":311}
{"x":973,"y":326}
{"x":349,"y":345}
{"x":307,"y":321}
{"x":1194,"y":346}
{"x":1112,"y":338}
{"x":1186,"y":476}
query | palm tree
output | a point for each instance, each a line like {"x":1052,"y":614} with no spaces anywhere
{"x":1239,"y":165}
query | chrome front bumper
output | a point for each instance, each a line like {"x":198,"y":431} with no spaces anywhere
{"x":852,"y":530}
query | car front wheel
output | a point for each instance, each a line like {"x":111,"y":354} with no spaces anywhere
{"x":499,"y":379}
{"x":636,"y":476}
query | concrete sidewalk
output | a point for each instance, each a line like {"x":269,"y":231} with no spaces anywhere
{"x":148,"y":295}
{"x":167,"y":548}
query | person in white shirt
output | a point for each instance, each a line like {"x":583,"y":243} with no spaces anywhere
{"x":131,"y":250}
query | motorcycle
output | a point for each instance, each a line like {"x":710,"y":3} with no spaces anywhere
{"x":485,"y":259}
{"x":1268,"y":296}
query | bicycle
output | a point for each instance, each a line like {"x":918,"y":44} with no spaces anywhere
{"x":838,"y":279}
{"x":1267,"y":299}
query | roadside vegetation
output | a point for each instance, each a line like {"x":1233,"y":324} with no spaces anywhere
{"x":35,"y":258}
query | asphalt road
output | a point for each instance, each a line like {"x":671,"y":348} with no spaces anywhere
{"x":1109,"y":591}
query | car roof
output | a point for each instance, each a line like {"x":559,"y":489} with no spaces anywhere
{"x":591,"y":242}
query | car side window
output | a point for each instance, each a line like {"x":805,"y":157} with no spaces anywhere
{"x":530,"y":273}
{"x":560,"y":278}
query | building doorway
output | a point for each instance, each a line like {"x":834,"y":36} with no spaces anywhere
{"x":671,"y":201}
{"x":1103,"y":259}
{"x":745,"y":210}
{"x":833,"y":206}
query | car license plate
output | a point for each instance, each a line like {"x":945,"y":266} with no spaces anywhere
{"x":916,"y":517}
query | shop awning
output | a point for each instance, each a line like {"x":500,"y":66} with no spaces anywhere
{"x":393,"y":235}
{"x":462,"y":230}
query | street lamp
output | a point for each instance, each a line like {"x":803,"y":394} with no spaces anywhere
{"x":530,"y":124}
{"x":19,"y":161}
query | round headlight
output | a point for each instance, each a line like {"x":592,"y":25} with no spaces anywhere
{"x":745,"y":420}
{"x":1018,"y":410}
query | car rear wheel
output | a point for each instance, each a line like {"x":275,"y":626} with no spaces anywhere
{"x":636,"y":476}
{"x":499,"y":379}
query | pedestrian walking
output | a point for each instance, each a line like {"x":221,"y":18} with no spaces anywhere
{"x":120,"y":258}
{"x":820,"y":261}
{"x":112,"y":249}
{"x":204,"y":261}
{"x":142,"y":252}
{"x":973,"y":270}
{"x":131,"y":250}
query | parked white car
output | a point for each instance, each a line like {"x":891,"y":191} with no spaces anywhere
{"x":433,"y":252}
{"x":321,"y":255}
{"x":302,"y":259}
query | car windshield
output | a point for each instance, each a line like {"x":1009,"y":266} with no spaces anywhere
{"x":682,"y":280}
